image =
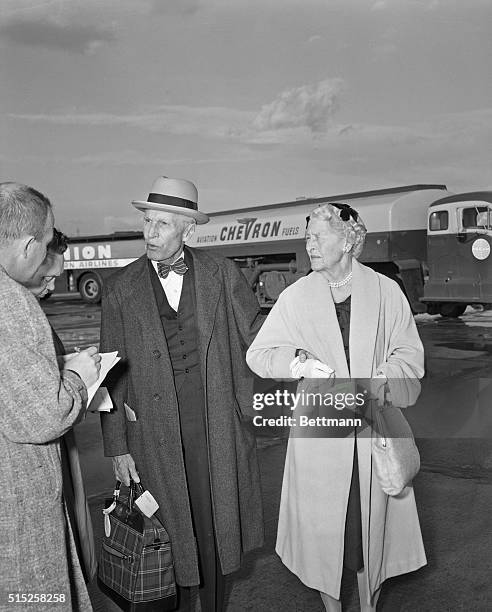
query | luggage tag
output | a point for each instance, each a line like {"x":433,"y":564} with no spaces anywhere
{"x":107,"y":511}
{"x":147,"y":504}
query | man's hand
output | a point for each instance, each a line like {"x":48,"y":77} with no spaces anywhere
{"x":86,"y":364}
{"x":124,"y":469}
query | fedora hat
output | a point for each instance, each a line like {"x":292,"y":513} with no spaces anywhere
{"x":173,"y":195}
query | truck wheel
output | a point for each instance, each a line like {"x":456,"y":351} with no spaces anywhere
{"x":90,"y":287}
{"x":452,"y":310}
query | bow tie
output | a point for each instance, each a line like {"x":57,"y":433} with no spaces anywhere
{"x":178,"y":266}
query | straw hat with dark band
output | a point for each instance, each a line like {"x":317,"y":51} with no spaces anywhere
{"x":173,"y":195}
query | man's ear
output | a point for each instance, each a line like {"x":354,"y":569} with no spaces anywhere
{"x":27,"y":244}
{"x":189,"y":231}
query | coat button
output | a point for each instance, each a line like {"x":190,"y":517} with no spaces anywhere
{"x":156,"y":353}
{"x":187,"y":370}
{"x":157,"y":397}
{"x":184,"y":356}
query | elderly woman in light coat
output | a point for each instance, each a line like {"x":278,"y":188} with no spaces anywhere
{"x":351,"y":322}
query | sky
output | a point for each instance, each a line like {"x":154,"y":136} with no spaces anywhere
{"x":255,"y":101}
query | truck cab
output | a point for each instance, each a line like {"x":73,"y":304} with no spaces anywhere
{"x":459,"y":239}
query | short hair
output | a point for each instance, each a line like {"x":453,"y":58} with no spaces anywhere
{"x":58,"y":244}
{"x":352,"y":228}
{"x":23,"y":212}
{"x":183,"y":221}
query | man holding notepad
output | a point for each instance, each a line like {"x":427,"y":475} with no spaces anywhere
{"x":38,"y":404}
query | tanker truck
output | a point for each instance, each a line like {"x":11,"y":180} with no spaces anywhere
{"x":422,"y":236}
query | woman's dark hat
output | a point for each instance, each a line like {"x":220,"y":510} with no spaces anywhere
{"x":346,"y":212}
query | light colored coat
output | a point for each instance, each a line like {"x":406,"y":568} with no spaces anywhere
{"x":316,"y":482}
{"x":37,"y":550}
{"x":227,"y":317}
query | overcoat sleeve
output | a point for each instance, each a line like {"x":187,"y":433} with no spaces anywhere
{"x":404,"y":360}
{"x":274,"y":347}
{"x":30,"y":378}
{"x":245,"y":307}
{"x":113,"y":339}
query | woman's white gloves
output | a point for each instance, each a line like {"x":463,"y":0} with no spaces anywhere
{"x":310,"y":368}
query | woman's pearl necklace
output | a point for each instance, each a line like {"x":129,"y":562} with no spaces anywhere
{"x":341,"y":283}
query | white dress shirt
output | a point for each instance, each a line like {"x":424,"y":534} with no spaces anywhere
{"x":172,"y":285}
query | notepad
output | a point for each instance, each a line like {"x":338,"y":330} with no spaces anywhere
{"x":98,"y":399}
{"x":108,"y":360}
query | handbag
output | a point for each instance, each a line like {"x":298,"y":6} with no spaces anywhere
{"x":136,"y":566}
{"x":395,"y":455}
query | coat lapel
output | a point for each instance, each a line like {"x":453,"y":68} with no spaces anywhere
{"x":364,"y":320}
{"x":207,"y":291}
{"x":318,"y":322}
{"x":142,"y":301}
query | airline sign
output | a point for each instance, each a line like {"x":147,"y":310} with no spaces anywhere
{"x":94,"y":256}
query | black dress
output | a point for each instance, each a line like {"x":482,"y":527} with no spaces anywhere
{"x":352,"y":553}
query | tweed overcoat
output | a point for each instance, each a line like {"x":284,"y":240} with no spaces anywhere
{"x":37,"y":406}
{"x":316,"y":482}
{"x":227,"y":318}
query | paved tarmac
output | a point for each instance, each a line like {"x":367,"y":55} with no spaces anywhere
{"x":453,"y":489}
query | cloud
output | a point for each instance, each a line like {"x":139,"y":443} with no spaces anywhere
{"x":71,"y":10}
{"x":448,"y":148}
{"x":305,"y":109}
{"x":67,"y":25}
{"x":314,"y":39}
{"x":440,"y":146}
{"x":213,"y":122}
{"x":77,"y":38}
{"x":176,"y":7}
{"x":138,"y":158}
{"x":310,"y":106}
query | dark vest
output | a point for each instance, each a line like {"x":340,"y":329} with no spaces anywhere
{"x":179,"y":327}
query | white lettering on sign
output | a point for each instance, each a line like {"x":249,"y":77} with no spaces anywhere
{"x":88,"y":252}
{"x":98,"y":263}
{"x":100,"y":251}
{"x":104,"y":251}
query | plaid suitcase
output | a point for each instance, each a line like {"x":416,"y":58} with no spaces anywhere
{"x":135,"y":565}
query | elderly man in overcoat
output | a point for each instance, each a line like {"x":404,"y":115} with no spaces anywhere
{"x":182,"y":319}
{"x":40,"y":569}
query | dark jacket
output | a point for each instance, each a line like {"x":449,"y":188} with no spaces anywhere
{"x":227,"y":319}
{"x":74,"y":493}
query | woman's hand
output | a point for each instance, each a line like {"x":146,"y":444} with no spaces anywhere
{"x":302,"y":367}
{"x":379,"y":390}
